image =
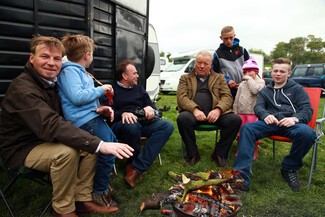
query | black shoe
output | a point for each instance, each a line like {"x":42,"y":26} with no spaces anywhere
{"x":291,"y":178}
{"x":237,"y":184}
{"x":192,"y":161}
{"x":221,"y":161}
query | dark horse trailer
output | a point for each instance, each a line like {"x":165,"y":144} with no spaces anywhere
{"x":118,"y":27}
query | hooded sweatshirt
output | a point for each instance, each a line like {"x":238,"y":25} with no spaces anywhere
{"x":289,"y":101}
{"x":79,"y":96}
{"x":230,"y":60}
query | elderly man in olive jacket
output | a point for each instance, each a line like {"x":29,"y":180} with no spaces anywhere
{"x":204,"y":97}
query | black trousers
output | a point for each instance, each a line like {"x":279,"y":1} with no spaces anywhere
{"x":229,"y":126}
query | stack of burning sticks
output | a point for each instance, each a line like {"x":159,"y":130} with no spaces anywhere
{"x":202,"y":194}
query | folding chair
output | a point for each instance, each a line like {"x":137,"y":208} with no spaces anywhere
{"x":314,"y":96}
{"x":203,"y":127}
{"x":25,"y":173}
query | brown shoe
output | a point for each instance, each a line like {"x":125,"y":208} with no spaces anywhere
{"x":71,"y":214}
{"x":131,"y":176}
{"x":87,"y":207}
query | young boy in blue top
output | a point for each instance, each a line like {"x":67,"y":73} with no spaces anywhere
{"x":80,"y":104}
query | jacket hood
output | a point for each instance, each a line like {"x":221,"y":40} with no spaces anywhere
{"x":235,"y":44}
{"x":67,"y":64}
{"x":290,"y":83}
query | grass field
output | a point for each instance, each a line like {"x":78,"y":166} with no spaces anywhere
{"x":269,"y":194}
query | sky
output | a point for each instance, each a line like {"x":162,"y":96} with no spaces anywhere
{"x":184,"y":25}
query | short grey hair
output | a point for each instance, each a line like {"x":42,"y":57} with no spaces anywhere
{"x":205,"y":53}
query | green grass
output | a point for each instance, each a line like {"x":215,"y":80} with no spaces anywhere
{"x":269,"y":194}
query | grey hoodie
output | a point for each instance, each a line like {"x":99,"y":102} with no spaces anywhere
{"x":289,"y":101}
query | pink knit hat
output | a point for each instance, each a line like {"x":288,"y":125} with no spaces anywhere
{"x":250,"y":64}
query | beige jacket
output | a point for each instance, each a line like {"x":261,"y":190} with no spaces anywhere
{"x":245,"y":99}
{"x":221,"y":96}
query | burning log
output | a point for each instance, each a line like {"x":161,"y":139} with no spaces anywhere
{"x":195,"y":185}
{"x":154,"y":201}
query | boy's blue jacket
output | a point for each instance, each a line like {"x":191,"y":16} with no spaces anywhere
{"x":79,"y":96}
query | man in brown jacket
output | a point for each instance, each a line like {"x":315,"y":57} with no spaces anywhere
{"x":34,"y":134}
{"x":204,"y":97}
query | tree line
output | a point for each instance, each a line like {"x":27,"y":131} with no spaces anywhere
{"x":300,"y":50}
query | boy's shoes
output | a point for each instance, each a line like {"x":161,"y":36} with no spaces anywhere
{"x":104,"y":199}
{"x":291,"y":178}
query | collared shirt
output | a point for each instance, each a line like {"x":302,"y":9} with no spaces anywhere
{"x":121,"y":85}
{"x":49,"y":82}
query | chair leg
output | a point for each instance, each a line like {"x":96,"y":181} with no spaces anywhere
{"x":159,"y":157}
{"x":183,"y":147}
{"x":114,"y":168}
{"x":6,"y":202}
{"x":46,"y":208}
{"x":313,"y":164}
{"x":273,"y":151}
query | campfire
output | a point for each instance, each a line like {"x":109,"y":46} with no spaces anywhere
{"x":202,"y":194}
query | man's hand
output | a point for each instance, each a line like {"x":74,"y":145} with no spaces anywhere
{"x":120,"y":150}
{"x":129,"y":118}
{"x":199,"y":115}
{"x":287,"y":122}
{"x":106,"y":111}
{"x":270,"y":119}
{"x":214,"y":115}
{"x":149,"y":112}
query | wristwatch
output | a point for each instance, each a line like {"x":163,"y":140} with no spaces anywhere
{"x":296,"y":120}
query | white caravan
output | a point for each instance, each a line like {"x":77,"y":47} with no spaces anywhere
{"x":181,"y":63}
{"x":152,"y":83}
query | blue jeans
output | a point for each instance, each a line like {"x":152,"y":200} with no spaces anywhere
{"x":302,"y":136}
{"x":105,"y":162}
{"x":157,"y":132}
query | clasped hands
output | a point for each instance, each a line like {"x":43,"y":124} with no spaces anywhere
{"x":211,"y":118}
{"x":285,"y":122}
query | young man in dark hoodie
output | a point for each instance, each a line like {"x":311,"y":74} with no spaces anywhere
{"x":229,"y":58}
{"x":283,"y":109}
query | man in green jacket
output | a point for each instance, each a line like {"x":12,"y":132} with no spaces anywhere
{"x":204,"y":97}
{"x":34,"y":134}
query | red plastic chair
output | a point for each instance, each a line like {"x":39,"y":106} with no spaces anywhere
{"x":314,"y":96}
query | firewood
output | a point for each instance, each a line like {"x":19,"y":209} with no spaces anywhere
{"x":154,"y":201}
{"x":195,"y":185}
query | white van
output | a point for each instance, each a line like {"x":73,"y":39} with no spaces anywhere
{"x":163,"y":63}
{"x":152,"y":83}
{"x":181,"y":63}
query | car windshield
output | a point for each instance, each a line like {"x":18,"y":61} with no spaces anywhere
{"x":300,"y":72}
{"x":176,"y":65}
{"x":308,"y":71}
